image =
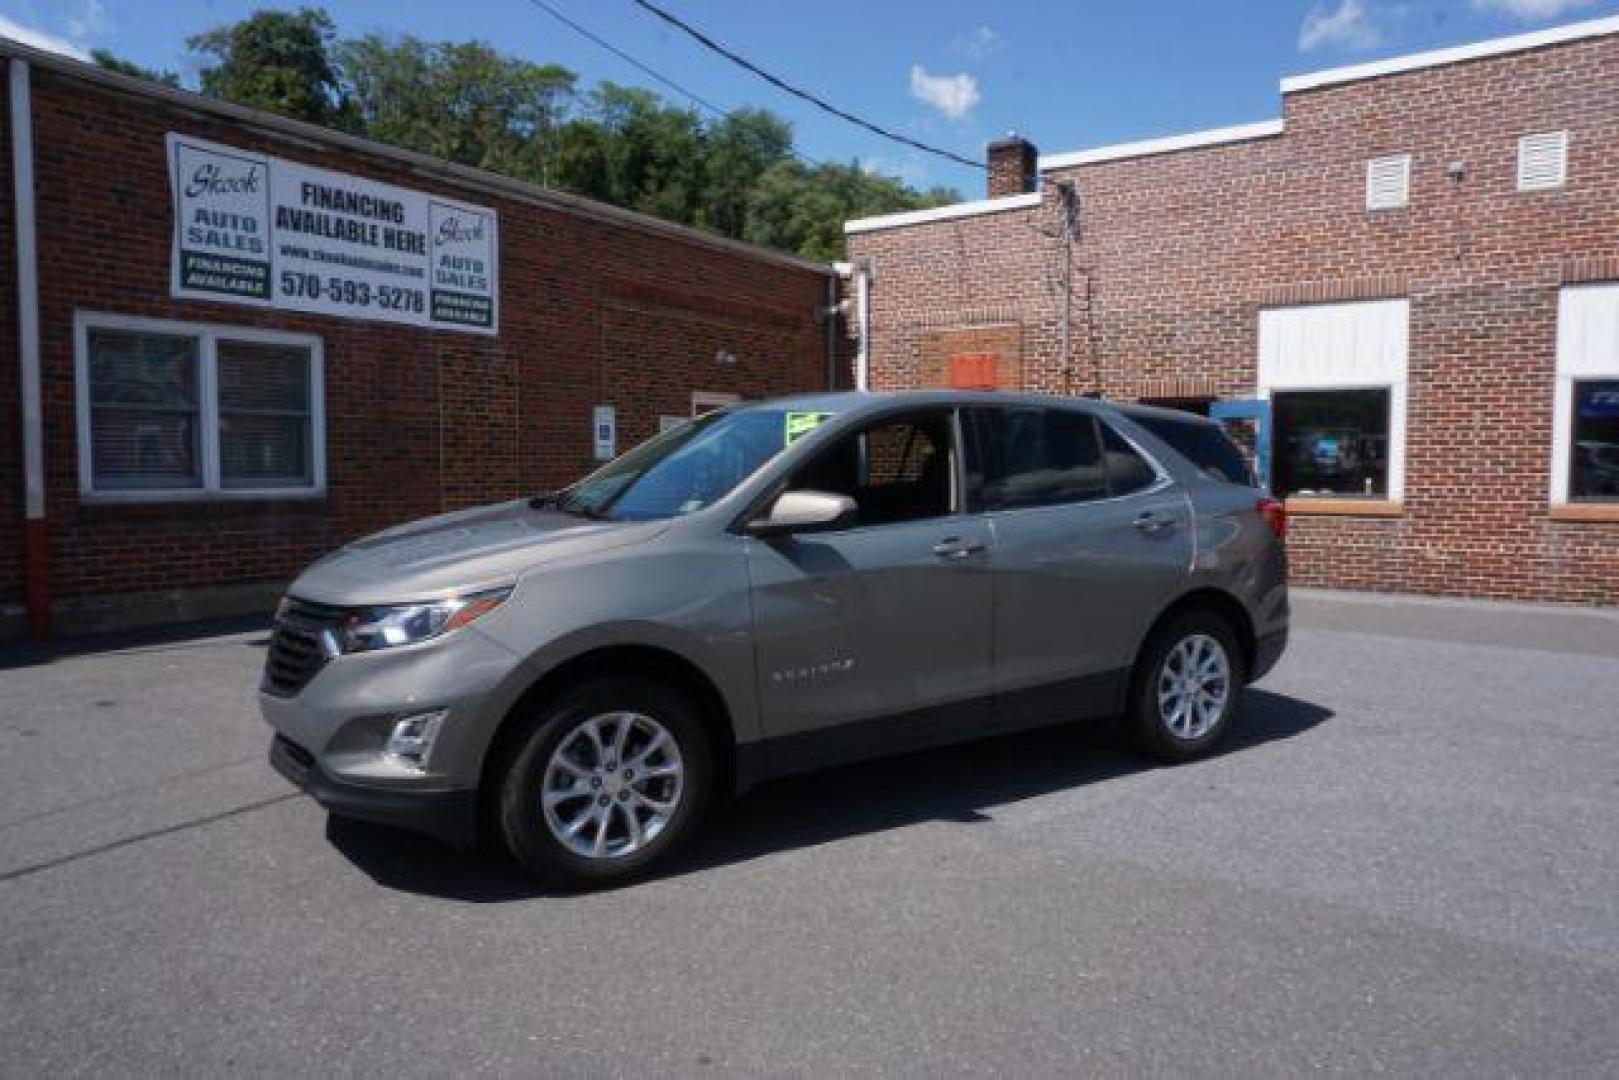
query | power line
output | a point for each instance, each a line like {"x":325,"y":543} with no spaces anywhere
{"x":748,"y":65}
{"x":651,"y":72}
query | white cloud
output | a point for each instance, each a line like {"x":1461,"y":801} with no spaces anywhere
{"x":41,"y":39}
{"x":91,"y":20}
{"x":1346,"y":26}
{"x":981,"y":44}
{"x":953,"y":95}
{"x":909,"y":169}
{"x":1531,"y":10}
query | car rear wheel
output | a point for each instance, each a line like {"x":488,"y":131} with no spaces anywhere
{"x":1186,"y":688}
{"x":613,"y":776}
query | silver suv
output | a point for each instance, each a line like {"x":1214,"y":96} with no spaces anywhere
{"x":773,"y":588}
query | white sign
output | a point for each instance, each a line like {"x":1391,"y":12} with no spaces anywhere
{"x":254,"y":229}
{"x":605,"y":424}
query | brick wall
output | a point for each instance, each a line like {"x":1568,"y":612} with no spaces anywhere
{"x":592,"y":312}
{"x":1177,"y":254}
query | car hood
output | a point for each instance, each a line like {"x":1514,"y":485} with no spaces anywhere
{"x":459,"y":552}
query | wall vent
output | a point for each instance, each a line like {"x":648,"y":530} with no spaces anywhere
{"x":1542,"y":161}
{"x":1388,"y":182}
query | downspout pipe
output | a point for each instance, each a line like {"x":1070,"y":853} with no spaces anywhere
{"x":36,"y":582}
{"x":862,"y":294}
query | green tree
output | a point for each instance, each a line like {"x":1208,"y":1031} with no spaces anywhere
{"x":797,"y":208}
{"x":461,"y":102}
{"x":112,"y":62}
{"x":742,"y":147}
{"x":279,"y":61}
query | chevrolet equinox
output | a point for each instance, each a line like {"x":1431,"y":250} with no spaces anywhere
{"x":770,"y":588}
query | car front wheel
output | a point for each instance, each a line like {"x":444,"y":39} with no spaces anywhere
{"x":613,"y":776}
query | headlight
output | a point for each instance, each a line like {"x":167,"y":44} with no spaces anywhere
{"x":369,"y":629}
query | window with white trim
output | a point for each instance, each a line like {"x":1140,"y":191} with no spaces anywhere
{"x":1335,"y":375}
{"x":1543,"y":161}
{"x":1388,"y":182}
{"x":705,"y":401}
{"x":1585,"y":423}
{"x":170,"y":410}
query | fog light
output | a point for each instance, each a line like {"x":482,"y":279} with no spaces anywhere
{"x":411,"y":740}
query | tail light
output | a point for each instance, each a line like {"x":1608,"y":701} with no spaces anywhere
{"x":1275,"y":515}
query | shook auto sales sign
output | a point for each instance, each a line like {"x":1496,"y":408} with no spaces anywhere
{"x":255,"y":229}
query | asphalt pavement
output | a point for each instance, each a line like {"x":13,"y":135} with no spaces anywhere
{"x":1406,"y":862}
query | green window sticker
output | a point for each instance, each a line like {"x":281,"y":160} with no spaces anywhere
{"x":800,"y":424}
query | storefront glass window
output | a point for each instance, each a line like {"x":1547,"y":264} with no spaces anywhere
{"x":1331,"y":442}
{"x":1595,"y":474}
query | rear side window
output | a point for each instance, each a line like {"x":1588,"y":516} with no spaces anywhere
{"x":1127,"y":470}
{"x":1204,"y":445}
{"x":1035,"y":457}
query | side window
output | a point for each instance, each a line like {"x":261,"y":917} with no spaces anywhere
{"x":1204,"y":445}
{"x":899,"y":469}
{"x":1127,"y":470}
{"x":1036,"y":457}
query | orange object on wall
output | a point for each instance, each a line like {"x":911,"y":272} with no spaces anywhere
{"x":973,"y":371}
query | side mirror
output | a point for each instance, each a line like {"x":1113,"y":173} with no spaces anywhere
{"x":804,"y":512}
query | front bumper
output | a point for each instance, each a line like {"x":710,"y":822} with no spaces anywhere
{"x":450,"y":816}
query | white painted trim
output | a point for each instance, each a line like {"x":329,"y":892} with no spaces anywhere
{"x":944,"y":213}
{"x":22,"y":171}
{"x":1262,"y":129}
{"x":1396,"y":65}
{"x":1575,"y":364}
{"x":208,"y":335}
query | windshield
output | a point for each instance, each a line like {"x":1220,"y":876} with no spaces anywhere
{"x":688,"y":467}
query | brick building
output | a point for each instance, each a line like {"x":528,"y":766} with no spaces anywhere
{"x":1415,"y":269}
{"x":251,"y":339}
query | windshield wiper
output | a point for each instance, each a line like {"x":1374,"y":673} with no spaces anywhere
{"x":560,"y":502}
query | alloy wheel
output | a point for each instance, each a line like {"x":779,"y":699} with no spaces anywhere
{"x":612,"y":785}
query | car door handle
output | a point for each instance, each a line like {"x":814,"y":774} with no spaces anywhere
{"x":954,"y":547}
{"x":1149,"y":522}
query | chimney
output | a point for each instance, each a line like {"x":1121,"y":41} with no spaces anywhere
{"x":1013,"y":166}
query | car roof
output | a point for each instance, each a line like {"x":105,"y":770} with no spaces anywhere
{"x":856,"y":401}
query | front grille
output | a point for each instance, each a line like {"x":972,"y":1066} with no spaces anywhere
{"x":297,"y":649}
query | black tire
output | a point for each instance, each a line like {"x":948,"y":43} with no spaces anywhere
{"x":521,"y":820}
{"x":1147,"y":728}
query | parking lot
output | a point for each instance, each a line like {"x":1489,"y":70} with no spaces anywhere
{"x":1405,"y":862}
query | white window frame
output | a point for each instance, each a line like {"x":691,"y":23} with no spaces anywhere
{"x":1580,"y":359}
{"x":703,"y":401}
{"x":1403,"y":161}
{"x":1562,"y":160}
{"x":1328,"y":376}
{"x":208,"y":336}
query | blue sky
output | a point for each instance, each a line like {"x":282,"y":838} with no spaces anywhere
{"x":950,"y":72}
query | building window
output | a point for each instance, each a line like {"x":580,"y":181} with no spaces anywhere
{"x":1335,"y":375}
{"x":703,"y":401}
{"x":1330,"y":442}
{"x":1595,"y":453}
{"x":1543,"y":161}
{"x":1388,"y":182}
{"x":174,"y":410}
{"x":1585,"y":422}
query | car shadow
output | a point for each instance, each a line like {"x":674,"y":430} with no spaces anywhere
{"x":956,"y":783}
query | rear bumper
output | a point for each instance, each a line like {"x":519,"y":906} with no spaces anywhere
{"x":1267,"y":651}
{"x":450,"y":816}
